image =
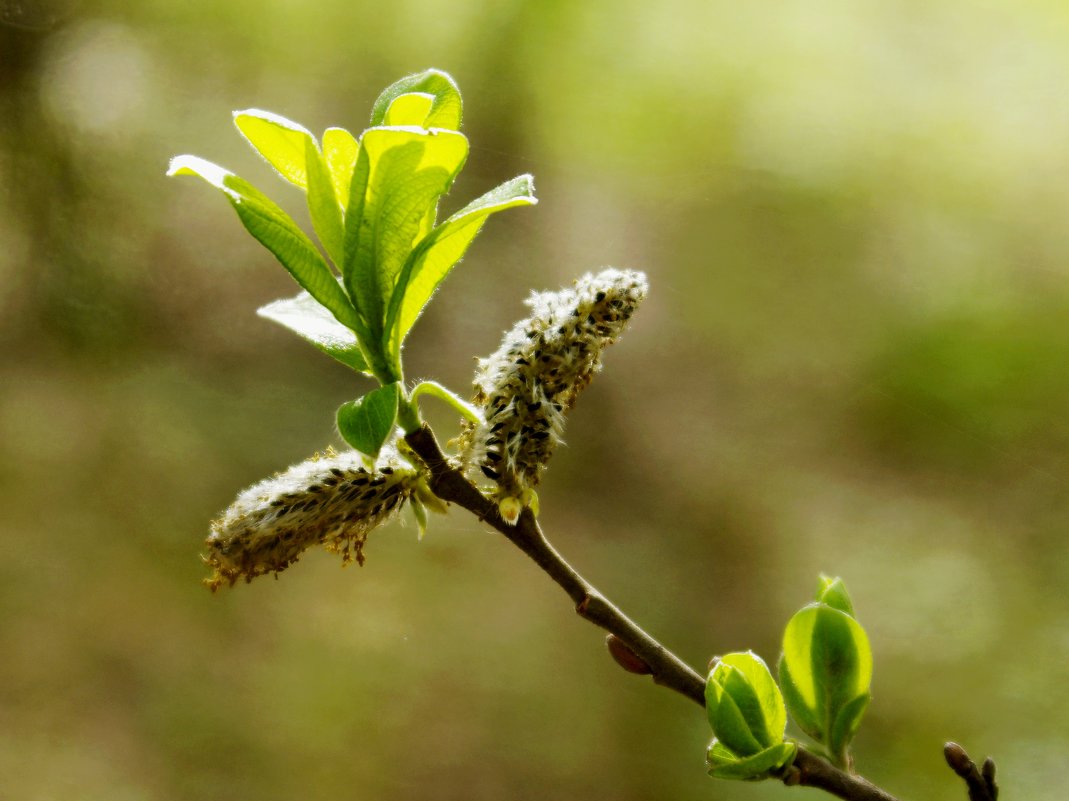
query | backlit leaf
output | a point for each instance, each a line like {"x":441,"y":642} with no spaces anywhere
{"x":826,"y":667}
{"x":339,"y":150}
{"x":278,"y":233}
{"x":447,"y":109}
{"x":429,"y":264}
{"x":410,"y":108}
{"x":832,"y":591}
{"x":308,"y":319}
{"x":280,"y":141}
{"x":846,"y":724}
{"x":744,"y":704}
{"x":323,"y":206}
{"x":399,"y":176}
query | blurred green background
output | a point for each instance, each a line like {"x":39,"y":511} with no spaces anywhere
{"x":853,"y":360}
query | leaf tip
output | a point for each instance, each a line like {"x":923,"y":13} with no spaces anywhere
{"x":195,"y":165}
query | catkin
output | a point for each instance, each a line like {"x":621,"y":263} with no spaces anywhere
{"x":330,"y":499}
{"x":545,"y":361}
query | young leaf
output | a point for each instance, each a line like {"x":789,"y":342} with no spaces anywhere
{"x":728,"y":722}
{"x":841,"y":656}
{"x":407,"y":170}
{"x":339,"y":150}
{"x":279,"y":234}
{"x":280,"y":141}
{"x":366,"y":423}
{"x":323,"y":206}
{"x":725,"y":765}
{"x":447,"y":109}
{"x":754,"y":689}
{"x":832,"y":591}
{"x":308,"y":319}
{"x":410,"y":108}
{"x":846,"y":724}
{"x":803,"y":711}
{"x":826,"y":667}
{"x":744,"y":704}
{"x":433,"y":258}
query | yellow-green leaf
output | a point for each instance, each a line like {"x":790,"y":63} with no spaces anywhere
{"x":744,"y":704}
{"x":399,"y":177}
{"x":323,"y":206}
{"x":273,"y":228}
{"x":339,"y":150}
{"x":429,"y":264}
{"x":280,"y":141}
{"x":410,"y":108}
{"x":832,"y":591}
{"x":447,"y":109}
{"x":826,"y":667}
{"x":312,"y":322}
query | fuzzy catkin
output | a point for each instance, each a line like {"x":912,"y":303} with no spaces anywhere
{"x":531,"y":381}
{"x":330,"y":499}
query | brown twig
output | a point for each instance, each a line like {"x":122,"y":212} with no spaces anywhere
{"x":980,"y":781}
{"x":666,"y":668}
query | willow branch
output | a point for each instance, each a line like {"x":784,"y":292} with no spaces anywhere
{"x":666,"y":668}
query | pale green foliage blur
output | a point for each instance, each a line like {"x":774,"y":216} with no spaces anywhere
{"x":852,"y":360}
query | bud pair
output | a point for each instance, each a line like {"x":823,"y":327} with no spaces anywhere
{"x":824,"y":672}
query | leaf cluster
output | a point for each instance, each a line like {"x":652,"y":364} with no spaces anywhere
{"x":824,"y":676}
{"x":382,"y":254}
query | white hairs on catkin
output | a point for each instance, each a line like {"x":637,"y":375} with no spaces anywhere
{"x":545,"y":361}
{"x":331,"y":499}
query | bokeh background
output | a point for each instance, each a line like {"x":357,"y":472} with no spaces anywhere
{"x":855,"y":221}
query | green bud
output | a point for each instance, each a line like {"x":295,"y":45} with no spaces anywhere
{"x":744,"y":704}
{"x":832,"y":591}
{"x":748,"y":717}
{"x":826,"y":669}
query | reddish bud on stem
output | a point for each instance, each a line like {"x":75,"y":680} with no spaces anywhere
{"x":625,"y":657}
